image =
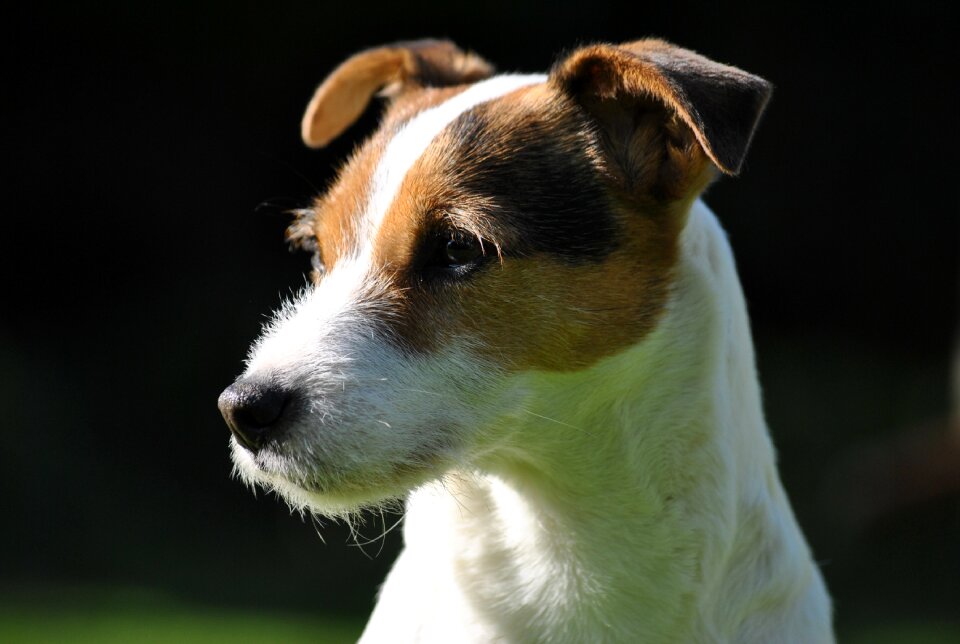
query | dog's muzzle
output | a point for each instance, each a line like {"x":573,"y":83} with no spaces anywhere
{"x":253,"y":409}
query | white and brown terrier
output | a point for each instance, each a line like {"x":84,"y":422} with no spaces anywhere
{"x":523,"y":319}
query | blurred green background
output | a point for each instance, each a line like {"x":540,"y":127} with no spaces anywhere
{"x":151,"y":150}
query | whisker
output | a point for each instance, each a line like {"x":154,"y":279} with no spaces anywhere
{"x":277,"y":206}
{"x":382,"y":537}
{"x":317,"y":525}
{"x":559,"y":422}
{"x":355,"y":536}
{"x":289,"y":167}
{"x":420,"y":391}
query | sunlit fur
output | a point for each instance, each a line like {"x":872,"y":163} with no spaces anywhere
{"x":633,"y":498}
{"x":381,"y":421}
{"x":636,"y":501}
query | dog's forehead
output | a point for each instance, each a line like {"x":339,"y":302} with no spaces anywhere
{"x":351,"y":214}
{"x":413,"y":138}
{"x":518,"y":163}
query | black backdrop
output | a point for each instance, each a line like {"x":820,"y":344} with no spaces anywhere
{"x":150,"y":151}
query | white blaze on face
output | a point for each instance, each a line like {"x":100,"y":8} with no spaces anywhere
{"x":350,"y":290}
{"x":412,"y":140}
{"x":367,"y":406}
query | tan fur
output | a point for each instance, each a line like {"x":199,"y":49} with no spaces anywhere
{"x":584,"y":312}
{"x":580,"y":314}
{"x":330,"y":225}
{"x":344,"y":95}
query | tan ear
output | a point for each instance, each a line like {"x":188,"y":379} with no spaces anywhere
{"x":343,"y":96}
{"x":721,"y":105}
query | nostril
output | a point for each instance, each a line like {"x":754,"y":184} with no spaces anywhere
{"x":252,"y":410}
{"x":261,"y":406}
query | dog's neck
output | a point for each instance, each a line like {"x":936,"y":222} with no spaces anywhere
{"x":637,"y":498}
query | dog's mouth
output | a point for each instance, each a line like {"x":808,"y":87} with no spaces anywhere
{"x":310,"y":480}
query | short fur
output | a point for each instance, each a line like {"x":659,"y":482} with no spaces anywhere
{"x":573,"y":409}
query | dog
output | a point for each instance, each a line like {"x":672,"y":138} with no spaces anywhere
{"x":523,"y":318}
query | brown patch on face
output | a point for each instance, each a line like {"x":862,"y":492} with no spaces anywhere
{"x":579,"y":265}
{"x":578,"y":188}
{"x":548,"y":315}
{"x":331,"y":226}
{"x":541,"y":313}
{"x":579,"y":202}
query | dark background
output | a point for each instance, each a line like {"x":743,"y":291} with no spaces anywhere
{"x":151,"y":150}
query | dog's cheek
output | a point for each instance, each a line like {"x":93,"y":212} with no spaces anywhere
{"x":398,"y":413}
{"x":545,"y":314}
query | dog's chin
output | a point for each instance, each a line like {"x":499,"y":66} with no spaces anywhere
{"x":333,"y":495}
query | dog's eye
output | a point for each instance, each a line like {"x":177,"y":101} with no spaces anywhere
{"x":460,"y":250}
{"x":452,"y":254}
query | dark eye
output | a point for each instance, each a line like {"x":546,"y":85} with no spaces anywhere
{"x":461,"y":250}
{"x":453,"y":254}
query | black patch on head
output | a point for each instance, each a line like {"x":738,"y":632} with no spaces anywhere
{"x":540,"y":174}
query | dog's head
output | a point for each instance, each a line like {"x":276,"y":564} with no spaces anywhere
{"x":493,"y":226}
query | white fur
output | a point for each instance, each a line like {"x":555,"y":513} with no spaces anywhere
{"x":637,"y":501}
{"x":369,"y":405}
{"x":634,"y":501}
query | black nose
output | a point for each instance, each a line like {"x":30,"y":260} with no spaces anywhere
{"x":252,"y":409}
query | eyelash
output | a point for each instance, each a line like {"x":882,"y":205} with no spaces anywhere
{"x":451,"y":254}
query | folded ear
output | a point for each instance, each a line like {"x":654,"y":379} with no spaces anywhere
{"x":342,"y":97}
{"x":695,"y":105}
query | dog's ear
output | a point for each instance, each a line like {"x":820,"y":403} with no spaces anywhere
{"x":660,"y":108}
{"x":342,"y":97}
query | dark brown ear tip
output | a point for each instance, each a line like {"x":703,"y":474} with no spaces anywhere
{"x":764,"y":94}
{"x":721,"y":104}
{"x":729,"y":134}
{"x":764,"y":91}
{"x":730,"y":168}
